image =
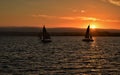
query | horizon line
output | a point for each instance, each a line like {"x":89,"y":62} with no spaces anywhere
{"x":55,"y":27}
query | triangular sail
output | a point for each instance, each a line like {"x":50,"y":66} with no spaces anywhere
{"x":87,"y":32}
{"x":88,"y":36}
{"x":45,"y":34}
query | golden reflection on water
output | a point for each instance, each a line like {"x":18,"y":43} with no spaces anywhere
{"x":26,"y":56}
{"x":93,"y":57}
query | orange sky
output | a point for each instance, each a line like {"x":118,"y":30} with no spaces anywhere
{"x":60,"y":13}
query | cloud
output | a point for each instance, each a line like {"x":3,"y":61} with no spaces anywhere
{"x":79,"y":11}
{"x":67,"y":18}
{"x":115,"y":2}
{"x":43,"y":16}
{"x":89,"y":18}
{"x":109,"y":20}
{"x":75,"y":10}
{"x":82,"y":11}
{"x":75,"y":18}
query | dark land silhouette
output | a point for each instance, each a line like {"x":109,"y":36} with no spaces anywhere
{"x":34,"y":31}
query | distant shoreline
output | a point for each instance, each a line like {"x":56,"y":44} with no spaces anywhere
{"x":29,"y":31}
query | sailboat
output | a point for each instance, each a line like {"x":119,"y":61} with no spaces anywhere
{"x":88,"y":36}
{"x":45,"y":36}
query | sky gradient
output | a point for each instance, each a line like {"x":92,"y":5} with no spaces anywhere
{"x":60,"y":13}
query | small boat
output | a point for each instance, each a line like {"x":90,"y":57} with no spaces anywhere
{"x":88,"y":36}
{"x":45,"y":36}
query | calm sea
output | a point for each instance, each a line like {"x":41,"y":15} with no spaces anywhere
{"x":65,"y":55}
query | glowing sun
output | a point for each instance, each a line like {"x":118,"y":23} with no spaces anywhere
{"x":93,"y":26}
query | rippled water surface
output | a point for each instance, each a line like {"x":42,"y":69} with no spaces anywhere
{"x":63,"y":56}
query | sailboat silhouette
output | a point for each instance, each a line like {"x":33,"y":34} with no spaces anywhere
{"x":88,"y":36}
{"x":45,"y":36}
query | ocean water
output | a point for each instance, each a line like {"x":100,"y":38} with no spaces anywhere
{"x":65,"y":55}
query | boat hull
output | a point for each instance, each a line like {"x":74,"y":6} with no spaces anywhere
{"x":87,"y":40}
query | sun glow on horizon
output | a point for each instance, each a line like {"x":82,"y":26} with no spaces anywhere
{"x":93,"y":26}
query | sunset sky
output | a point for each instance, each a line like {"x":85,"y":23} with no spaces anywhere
{"x":60,"y":13}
